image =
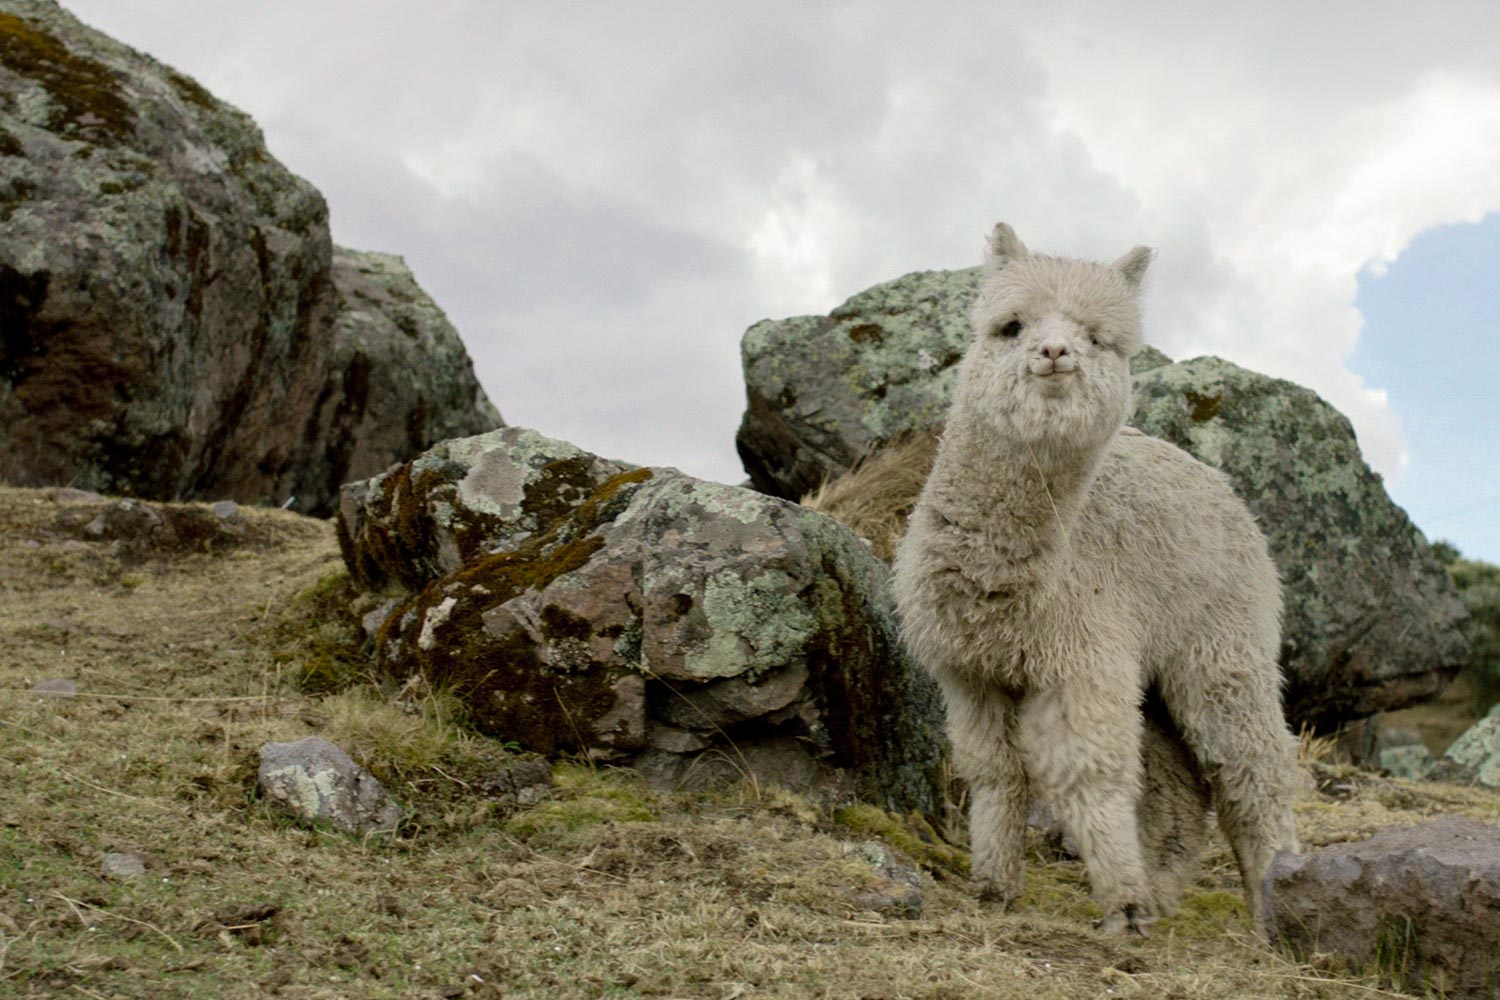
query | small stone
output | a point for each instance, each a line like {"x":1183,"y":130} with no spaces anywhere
{"x":372,"y":620}
{"x":1412,"y":762}
{"x":123,"y":866}
{"x":897,"y":889}
{"x":56,"y":687}
{"x":227,"y":510}
{"x":67,"y":494}
{"x":317,"y":782}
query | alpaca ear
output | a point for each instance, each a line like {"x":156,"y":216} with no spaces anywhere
{"x":1133,"y":265}
{"x":1004,"y":246}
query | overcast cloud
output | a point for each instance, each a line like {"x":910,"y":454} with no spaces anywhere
{"x":603,"y":196}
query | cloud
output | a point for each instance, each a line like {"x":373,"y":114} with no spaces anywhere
{"x":604,"y":197}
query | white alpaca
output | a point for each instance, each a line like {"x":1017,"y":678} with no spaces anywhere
{"x":1057,"y":574}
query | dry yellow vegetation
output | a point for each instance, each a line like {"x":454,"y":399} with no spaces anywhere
{"x":187,"y":660}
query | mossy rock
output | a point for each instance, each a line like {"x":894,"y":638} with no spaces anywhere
{"x":586,"y":606}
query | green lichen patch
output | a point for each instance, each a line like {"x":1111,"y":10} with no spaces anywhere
{"x":586,"y":798}
{"x":422,"y":519}
{"x":1207,"y":915}
{"x":910,"y":834}
{"x":192,"y":91}
{"x":761,"y":618}
{"x":89,"y":101}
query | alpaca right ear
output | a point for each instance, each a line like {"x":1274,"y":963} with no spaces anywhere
{"x":1133,"y":265}
{"x":1004,"y":246}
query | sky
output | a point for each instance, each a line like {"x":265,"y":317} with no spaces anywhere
{"x":604,"y":196}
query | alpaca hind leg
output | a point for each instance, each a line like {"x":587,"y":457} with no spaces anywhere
{"x":1173,"y":816}
{"x":981,"y":723}
{"x":1082,"y":747}
{"x":1231,"y":718}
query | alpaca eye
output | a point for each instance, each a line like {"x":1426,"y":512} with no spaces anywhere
{"x":1009,"y":331}
{"x":1093,"y":332}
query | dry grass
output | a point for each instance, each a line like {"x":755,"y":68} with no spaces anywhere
{"x":610,"y":889}
{"x":875,"y":498}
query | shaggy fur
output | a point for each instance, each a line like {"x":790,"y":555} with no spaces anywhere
{"x":1056,"y":572}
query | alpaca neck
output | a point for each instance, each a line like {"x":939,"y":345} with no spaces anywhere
{"x":1025,"y":496}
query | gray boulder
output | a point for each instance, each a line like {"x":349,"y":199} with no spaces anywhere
{"x":1473,"y":758}
{"x":317,"y":782}
{"x":642,"y":615}
{"x":167,"y":298}
{"x":1372,"y":622}
{"x":1420,"y":904}
{"x":1372,"y":619}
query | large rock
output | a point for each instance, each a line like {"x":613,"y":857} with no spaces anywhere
{"x":1372,"y":620}
{"x":167,"y":299}
{"x":1420,"y":904}
{"x":638,"y":614}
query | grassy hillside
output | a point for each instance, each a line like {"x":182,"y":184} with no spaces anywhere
{"x":187,"y":658}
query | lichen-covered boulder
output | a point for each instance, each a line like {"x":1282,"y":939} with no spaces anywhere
{"x":171,"y":318}
{"x":1418,"y":904}
{"x":639,"y":614}
{"x":1372,"y":619}
{"x":1473,"y":758}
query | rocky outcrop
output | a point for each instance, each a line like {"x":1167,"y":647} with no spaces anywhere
{"x":1372,"y":619}
{"x":1419,"y":904}
{"x":641,"y":615}
{"x":167,"y":297}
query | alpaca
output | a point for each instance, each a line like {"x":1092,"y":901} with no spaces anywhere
{"x":1098,"y":607}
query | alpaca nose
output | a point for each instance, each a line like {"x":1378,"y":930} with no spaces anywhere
{"x":1053,"y":351}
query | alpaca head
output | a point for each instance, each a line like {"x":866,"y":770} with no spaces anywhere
{"x":1053,"y":338}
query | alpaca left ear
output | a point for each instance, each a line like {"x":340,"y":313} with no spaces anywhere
{"x":1003,"y":246}
{"x":1133,"y":265}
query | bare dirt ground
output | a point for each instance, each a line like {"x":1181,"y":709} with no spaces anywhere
{"x":190,"y":653}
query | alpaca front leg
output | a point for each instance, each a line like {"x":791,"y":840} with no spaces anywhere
{"x":1082,"y":747}
{"x":981,"y":724}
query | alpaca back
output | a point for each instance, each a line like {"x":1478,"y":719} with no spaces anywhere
{"x":1179,"y":555}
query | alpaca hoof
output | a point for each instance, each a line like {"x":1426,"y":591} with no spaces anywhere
{"x":995,"y":894}
{"x":1129,"y":919}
